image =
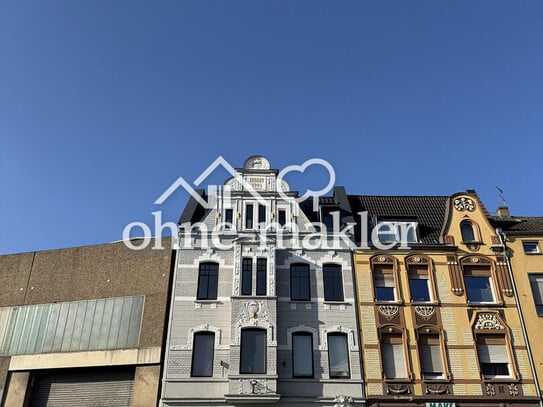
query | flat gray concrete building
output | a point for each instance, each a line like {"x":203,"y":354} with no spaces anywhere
{"x":83,"y":326}
{"x":263,"y":307}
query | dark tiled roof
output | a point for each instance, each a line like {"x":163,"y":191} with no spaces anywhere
{"x":430,"y":211}
{"x":521,"y":225}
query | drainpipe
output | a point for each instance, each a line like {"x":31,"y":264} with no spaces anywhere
{"x":506,"y":254}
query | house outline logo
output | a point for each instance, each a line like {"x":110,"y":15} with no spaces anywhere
{"x":213,"y":189}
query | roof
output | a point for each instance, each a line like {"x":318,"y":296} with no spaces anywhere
{"x":430,"y":212}
{"x":519,"y":225}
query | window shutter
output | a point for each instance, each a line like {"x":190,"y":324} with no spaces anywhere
{"x":384,"y":280}
{"x":431,"y":359}
{"x":492,"y":353}
{"x":394,"y":361}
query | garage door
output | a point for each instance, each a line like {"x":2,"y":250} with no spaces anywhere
{"x":83,"y":387}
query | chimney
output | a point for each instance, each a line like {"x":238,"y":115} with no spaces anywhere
{"x":503,"y":211}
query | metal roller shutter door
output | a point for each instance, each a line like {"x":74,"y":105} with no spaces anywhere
{"x":83,"y":388}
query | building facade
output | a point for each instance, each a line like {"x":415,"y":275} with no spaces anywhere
{"x":438,"y":318}
{"x":522,"y":240}
{"x":83,"y":326}
{"x":259,"y":312}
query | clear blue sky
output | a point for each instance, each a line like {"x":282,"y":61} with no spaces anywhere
{"x":104,"y":104}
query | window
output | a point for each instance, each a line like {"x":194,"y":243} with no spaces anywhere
{"x":530,"y":247}
{"x":468,"y":232}
{"x":229,"y":216}
{"x":202,"y":354}
{"x":247,"y":276}
{"x":249,"y":216}
{"x":383,"y":281}
{"x":392,"y":352}
{"x":302,"y":354}
{"x":333,"y":282}
{"x":261,"y":274}
{"x":253,"y":351}
{"x":431,"y":359}
{"x":478,"y":285}
{"x":282,"y":217}
{"x":338,"y":356}
{"x":299,"y":282}
{"x":208,"y":277}
{"x":536,"y":281}
{"x":419,"y":283}
{"x":394,"y":231}
{"x":327,"y":218}
{"x":493,"y":356}
{"x":261,"y":215}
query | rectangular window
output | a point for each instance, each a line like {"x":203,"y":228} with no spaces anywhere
{"x":420,"y":288}
{"x":202,"y":354}
{"x":431,"y":359}
{"x":384,"y":285}
{"x":333,"y":282}
{"x":208,"y":277}
{"x":536,"y":281}
{"x":299,"y":282}
{"x":530,"y":247}
{"x":261,"y":215}
{"x":338,"y":356}
{"x":261,"y":276}
{"x":493,"y":356}
{"x":393,"y":357}
{"x":247,"y":276}
{"x":253,"y":351}
{"x":249,"y":216}
{"x":229,"y":216}
{"x":282,"y":217}
{"x":302,"y":354}
{"x":479,"y":288}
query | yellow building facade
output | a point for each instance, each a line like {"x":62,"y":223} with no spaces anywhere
{"x":438,"y":318}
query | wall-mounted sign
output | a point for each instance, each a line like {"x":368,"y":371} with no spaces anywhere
{"x":440,"y":404}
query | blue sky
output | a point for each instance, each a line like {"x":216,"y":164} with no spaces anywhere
{"x":104,"y":104}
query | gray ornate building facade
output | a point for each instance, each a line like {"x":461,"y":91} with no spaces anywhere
{"x":261,"y":309}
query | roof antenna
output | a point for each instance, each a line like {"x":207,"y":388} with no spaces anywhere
{"x":501,"y":195}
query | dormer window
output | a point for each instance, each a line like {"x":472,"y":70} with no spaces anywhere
{"x":327,"y":219}
{"x":389,"y":231}
{"x":467,"y":229}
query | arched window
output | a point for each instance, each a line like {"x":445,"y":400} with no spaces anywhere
{"x":467,"y":229}
{"x":302,"y":354}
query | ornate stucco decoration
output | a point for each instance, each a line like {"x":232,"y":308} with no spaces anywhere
{"x":513,"y":389}
{"x":464,"y":204}
{"x":425,"y":310}
{"x":237,"y":268}
{"x":437,"y":389}
{"x":343,"y":401}
{"x":490,"y":390}
{"x":389,"y":310}
{"x":254,"y":314}
{"x":488,"y":321}
{"x":398,"y":389}
{"x":253,"y":386}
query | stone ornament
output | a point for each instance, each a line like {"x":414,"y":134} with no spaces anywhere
{"x":488,"y":321}
{"x":343,"y":401}
{"x":490,"y":390}
{"x":389,"y":310}
{"x":425,"y":310}
{"x":464,"y":204}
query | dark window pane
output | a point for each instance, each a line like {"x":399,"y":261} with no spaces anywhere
{"x":282,"y":218}
{"x":229,"y":216}
{"x":253,"y":351}
{"x":247,"y":277}
{"x":333,"y":282}
{"x":384,"y":286}
{"x":468,"y":234}
{"x":261,"y":276}
{"x":338,"y":356}
{"x":208,"y":281}
{"x":302,"y":354}
{"x":419,"y":289}
{"x":530,"y":247}
{"x":249,"y":216}
{"x":202,"y":354}
{"x":495,"y":369}
{"x":261,"y":214}
{"x":479,"y":289}
{"x":299,"y":282}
